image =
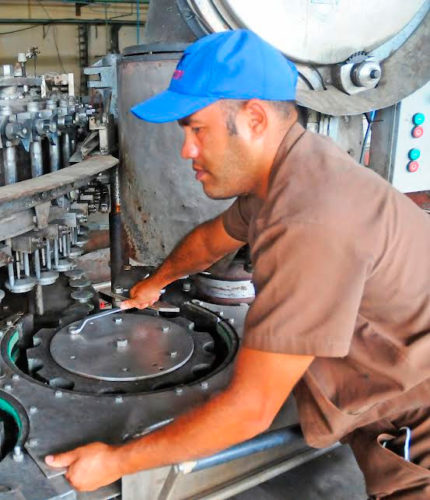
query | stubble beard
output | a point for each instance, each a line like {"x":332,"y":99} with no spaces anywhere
{"x":233,"y":179}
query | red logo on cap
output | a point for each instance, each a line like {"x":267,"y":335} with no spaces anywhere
{"x":178,"y":74}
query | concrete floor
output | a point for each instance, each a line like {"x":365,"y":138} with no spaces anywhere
{"x":334,"y":476}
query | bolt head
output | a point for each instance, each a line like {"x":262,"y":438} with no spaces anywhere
{"x":58,"y":394}
{"x":33,"y":410}
{"x":33,"y":442}
{"x":173,"y":354}
{"x":165,"y":329}
{"x":117,"y":321}
{"x":119,"y":399}
{"x":179,"y":391}
{"x":204,"y":386}
{"x":121,"y":343}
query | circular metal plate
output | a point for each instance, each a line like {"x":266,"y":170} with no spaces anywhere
{"x":47,"y":278}
{"x":125,"y":347}
{"x":80,"y":283}
{"x":65,"y":265}
{"x":23,"y":285}
{"x":82,"y":295}
{"x":75,"y":274}
{"x":76,"y":252}
{"x":316,"y":31}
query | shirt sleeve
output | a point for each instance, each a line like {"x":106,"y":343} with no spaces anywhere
{"x":236,"y":219}
{"x":309,"y":281}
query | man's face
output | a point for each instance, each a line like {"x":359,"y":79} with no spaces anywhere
{"x":223,"y":162}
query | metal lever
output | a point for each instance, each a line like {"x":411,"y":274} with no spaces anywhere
{"x":75,"y":329}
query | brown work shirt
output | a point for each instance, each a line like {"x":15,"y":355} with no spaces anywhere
{"x":342,"y":272}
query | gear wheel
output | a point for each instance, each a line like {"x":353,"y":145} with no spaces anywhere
{"x":357,"y":57}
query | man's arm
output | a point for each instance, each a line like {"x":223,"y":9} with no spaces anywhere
{"x":206,"y":244}
{"x":261,"y":383}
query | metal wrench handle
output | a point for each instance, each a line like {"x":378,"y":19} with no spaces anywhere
{"x":78,"y":329}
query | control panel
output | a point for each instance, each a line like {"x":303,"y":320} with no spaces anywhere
{"x":411,"y":149}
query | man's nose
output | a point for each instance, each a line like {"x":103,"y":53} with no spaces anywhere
{"x":189,"y":150}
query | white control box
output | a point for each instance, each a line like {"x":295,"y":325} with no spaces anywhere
{"x":411,"y":148}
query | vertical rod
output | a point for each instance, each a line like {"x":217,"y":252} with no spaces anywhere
{"x":64,"y":245}
{"x":36,"y":256}
{"x":36,"y":159}
{"x":11,"y":274}
{"x":40,"y":308}
{"x":18,"y":264}
{"x":26,"y":264}
{"x":10,"y":169}
{"x":54,"y":155}
{"x":115,"y":227}
{"x":48,"y":255}
{"x":65,"y":143}
{"x":69,"y":243}
{"x":56,"y":256}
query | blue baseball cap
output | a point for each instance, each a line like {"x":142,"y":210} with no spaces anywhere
{"x":234,"y":64}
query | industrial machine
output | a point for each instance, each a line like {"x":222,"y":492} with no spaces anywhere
{"x":75,"y":369}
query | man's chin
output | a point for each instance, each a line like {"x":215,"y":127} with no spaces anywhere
{"x":218,"y":196}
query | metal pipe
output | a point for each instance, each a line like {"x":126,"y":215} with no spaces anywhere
{"x":65,"y":146}
{"x":36,"y":256}
{"x":11,"y":274}
{"x":26,"y":264}
{"x":115,"y":228}
{"x":48,"y":255}
{"x":36,"y":159}
{"x":262,"y":442}
{"x":54,"y":155}
{"x":64,"y":245}
{"x":40,"y":306}
{"x":56,"y":256}
{"x":24,"y":20}
{"x":10,"y":169}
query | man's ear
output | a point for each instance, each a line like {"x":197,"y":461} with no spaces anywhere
{"x":255,"y":114}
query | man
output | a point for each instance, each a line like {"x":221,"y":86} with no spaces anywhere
{"x":341,"y":269}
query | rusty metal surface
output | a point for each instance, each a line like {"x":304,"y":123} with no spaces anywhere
{"x":162,"y":201}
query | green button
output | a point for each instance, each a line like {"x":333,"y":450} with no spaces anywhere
{"x":418,"y":118}
{"x":414,"y":154}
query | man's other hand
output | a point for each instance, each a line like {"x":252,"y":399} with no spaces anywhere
{"x":88,"y":467}
{"x":143,"y":294}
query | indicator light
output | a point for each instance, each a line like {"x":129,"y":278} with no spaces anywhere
{"x":414,"y":154}
{"x":418,"y":118}
{"x":417,"y":132}
{"x":413,"y":166}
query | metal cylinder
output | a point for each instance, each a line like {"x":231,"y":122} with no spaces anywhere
{"x":36,"y":256}
{"x":56,"y":255}
{"x":26,"y":264}
{"x":9,"y":162}
{"x":54,"y":155}
{"x":150,"y":204}
{"x":65,"y":146}
{"x":40,"y":307}
{"x":115,"y":228}
{"x":48,"y":255}
{"x":11,"y":274}
{"x":36,"y":159}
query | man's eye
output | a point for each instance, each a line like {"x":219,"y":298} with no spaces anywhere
{"x":196,"y":130}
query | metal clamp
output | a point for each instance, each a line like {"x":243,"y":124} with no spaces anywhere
{"x":75,"y":329}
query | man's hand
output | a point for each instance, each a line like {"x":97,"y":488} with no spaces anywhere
{"x":143,"y":294}
{"x":89,"y":467}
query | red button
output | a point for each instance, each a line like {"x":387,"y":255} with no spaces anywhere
{"x":417,"y":132}
{"x":413,"y":166}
